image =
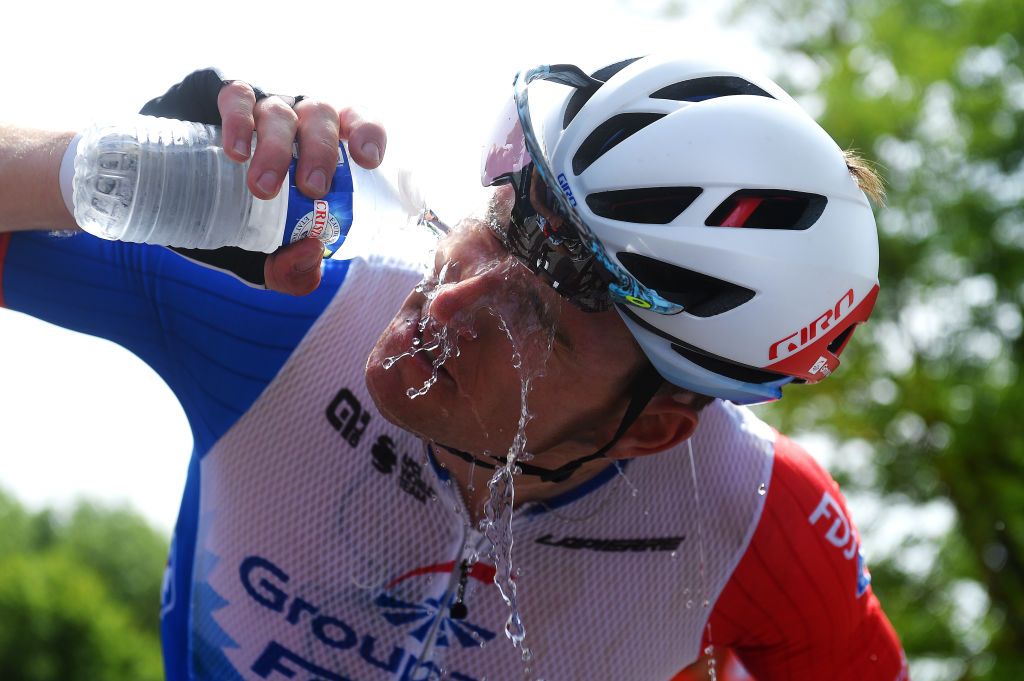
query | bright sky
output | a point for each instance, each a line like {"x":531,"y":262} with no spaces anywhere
{"x":81,"y":416}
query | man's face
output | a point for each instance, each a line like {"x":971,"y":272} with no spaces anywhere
{"x":490,"y":307}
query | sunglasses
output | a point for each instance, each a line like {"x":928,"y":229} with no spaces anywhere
{"x":546,"y":232}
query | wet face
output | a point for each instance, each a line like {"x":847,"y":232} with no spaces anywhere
{"x":486,"y":308}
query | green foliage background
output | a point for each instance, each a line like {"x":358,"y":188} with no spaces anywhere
{"x":79,"y":595}
{"x":926,"y":411}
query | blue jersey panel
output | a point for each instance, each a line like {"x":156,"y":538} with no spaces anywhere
{"x":216,"y":342}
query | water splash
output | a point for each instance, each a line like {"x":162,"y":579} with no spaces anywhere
{"x":633,"y":491}
{"x":709,"y":653}
{"x":532,"y":340}
{"x":709,"y":650}
{"x":529,"y":325}
{"x":439,"y":341}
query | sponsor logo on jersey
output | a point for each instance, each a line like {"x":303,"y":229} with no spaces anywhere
{"x":347,"y":416}
{"x":613,"y":545}
{"x":410,"y":471}
{"x":787,"y":345}
{"x":268,"y":586}
{"x":430,"y":615}
{"x":838,"y":532}
{"x":434,"y":613}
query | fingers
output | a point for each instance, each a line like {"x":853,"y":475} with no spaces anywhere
{"x":276,"y":127}
{"x":294,"y":269}
{"x":318,"y":147}
{"x":317,"y":126}
{"x":367,"y":140}
{"x":236,"y":101}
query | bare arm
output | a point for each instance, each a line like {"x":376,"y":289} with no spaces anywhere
{"x":30,"y":195}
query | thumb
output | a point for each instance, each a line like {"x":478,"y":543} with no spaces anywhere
{"x":295,"y":269}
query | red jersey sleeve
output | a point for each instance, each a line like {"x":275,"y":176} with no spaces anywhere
{"x":799,"y":604}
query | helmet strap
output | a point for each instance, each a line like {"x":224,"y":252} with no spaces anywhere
{"x":644,"y":388}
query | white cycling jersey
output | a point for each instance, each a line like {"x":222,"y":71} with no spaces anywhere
{"x":319,"y":542}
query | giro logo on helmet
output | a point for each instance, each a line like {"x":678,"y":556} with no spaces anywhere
{"x":564,"y":184}
{"x":789,"y":344}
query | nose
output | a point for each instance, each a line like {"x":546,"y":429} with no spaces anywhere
{"x":457,"y":302}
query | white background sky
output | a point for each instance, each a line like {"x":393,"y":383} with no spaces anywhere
{"x":81,"y":416}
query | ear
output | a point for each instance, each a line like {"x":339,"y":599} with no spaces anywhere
{"x":666,"y":421}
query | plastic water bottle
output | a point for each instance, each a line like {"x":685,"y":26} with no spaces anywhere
{"x":168,"y":182}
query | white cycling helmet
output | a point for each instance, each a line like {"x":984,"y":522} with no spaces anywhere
{"x":717,"y":216}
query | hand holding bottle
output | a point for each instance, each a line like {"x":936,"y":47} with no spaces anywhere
{"x":241,"y":110}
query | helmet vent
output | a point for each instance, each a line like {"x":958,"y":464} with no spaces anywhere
{"x":650,"y":205}
{"x":711,"y":87}
{"x":608,"y":134}
{"x":840,"y":341}
{"x":768,"y":209}
{"x":699,"y":294}
{"x":582,"y":96}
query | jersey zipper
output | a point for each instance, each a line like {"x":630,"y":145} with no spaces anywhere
{"x":469,"y":550}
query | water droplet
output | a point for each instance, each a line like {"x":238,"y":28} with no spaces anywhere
{"x":689,"y":604}
{"x":762,"y":489}
{"x":514,"y":629}
{"x":635,"y":493}
{"x":416,"y":342}
{"x":707,"y":603}
{"x":674,"y":555}
{"x":709,"y":651}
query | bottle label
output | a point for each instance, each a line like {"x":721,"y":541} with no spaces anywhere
{"x":329,"y":218}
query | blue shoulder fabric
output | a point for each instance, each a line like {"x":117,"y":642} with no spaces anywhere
{"x":215,"y":341}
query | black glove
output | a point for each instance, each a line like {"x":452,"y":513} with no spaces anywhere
{"x":195,"y":99}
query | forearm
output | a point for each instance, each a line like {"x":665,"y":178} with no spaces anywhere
{"x":30,"y":195}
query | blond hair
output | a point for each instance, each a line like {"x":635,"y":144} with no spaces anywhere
{"x":865,"y":175}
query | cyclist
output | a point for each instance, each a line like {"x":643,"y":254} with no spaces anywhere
{"x":683,"y":237}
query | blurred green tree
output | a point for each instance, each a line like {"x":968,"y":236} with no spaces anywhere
{"x":926,"y":410}
{"x":79,"y":595}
